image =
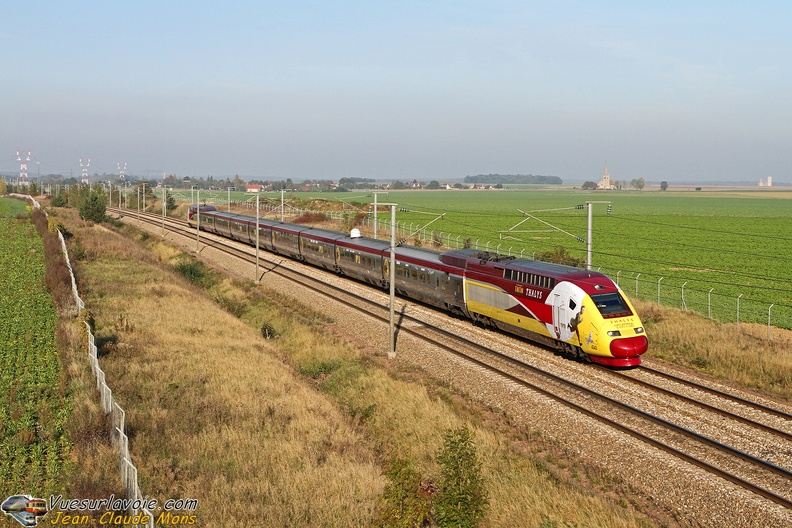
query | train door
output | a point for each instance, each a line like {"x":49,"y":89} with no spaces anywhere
{"x":559,"y":315}
{"x":567,"y":300}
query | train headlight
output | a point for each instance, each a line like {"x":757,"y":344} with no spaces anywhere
{"x":639,"y":330}
{"x":614,"y":333}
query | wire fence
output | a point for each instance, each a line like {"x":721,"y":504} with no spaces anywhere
{"x":691,"y":295}
{"x":669,"y":291}
{"x":110,"y":406}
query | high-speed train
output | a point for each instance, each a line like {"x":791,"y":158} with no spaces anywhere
{"x":580,"y":313}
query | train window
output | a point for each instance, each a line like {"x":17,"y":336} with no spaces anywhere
{"x":572,"y":304}
{"x":610,"y":304}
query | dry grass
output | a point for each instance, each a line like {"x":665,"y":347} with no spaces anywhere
{"x":92,"y":471}
{"x":740,"y":354}
{"x":212,"y":413}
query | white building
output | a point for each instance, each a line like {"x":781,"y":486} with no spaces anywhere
{"x":605,"y":182}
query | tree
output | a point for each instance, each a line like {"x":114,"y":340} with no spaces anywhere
{"x":434,"y":184}
{"x":92,"y":207}
{"x":170,"y":201}
{"x":589,"y":186}
{"x":664,"y":186}
{"x":638,"y":183}
{"x":3,"y":186}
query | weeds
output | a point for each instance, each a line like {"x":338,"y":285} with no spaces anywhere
{"x":229,"y":304}
{"x":268,"y":331}
{"x":194,"y":271}
{"x":320,"y":368}
{"x":407,"y":501}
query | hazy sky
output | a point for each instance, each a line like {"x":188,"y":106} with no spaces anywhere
{"x":677,"y":91}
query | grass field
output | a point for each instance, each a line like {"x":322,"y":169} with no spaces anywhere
{"x":723,"y":253}
{"x":732,"y":244}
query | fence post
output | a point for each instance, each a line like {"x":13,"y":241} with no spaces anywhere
{"x":617,"y":277}
{"x":636,"y":285}
{"x":658,"y":289}
{"x":768,"y":321}
{"x":684,"y":306}
{"x":738,"y":310}
{"x":709,"y":303}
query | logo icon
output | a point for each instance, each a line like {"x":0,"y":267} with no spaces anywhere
{"x":26,"y":510}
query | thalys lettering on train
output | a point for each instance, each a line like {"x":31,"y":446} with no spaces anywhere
{"x":579,"y":312}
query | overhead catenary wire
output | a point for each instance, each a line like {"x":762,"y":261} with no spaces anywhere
{"x":603,"y":231}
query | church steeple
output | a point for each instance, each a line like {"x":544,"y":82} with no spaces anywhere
{"x":605,"y":182}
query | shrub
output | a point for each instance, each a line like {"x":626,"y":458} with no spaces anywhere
{"x":407,"y":501}
{"x":560,"y":255}
{"x":54,"y":224}
{"x":58,"y":201}
{"x":463,"y":497}
{"x":93,"y":208}
{"x":311,"y":218}
{"x":194,"y":271}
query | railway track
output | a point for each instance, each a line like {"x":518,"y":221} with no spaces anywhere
{"x":744,"y":442}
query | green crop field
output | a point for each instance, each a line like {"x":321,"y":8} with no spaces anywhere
{"x":705,"y":251}
{"x":32,"y":412}
{"x":724,"y":253}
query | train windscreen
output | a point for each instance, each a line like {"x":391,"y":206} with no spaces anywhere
{"x":610,"y":304}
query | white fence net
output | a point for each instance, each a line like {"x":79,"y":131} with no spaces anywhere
{"x":109,"y":404}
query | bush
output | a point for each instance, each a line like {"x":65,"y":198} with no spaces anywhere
{"x":407,"y":501}
{"x":560,"y":255}
{"x":54,"y":224}
{"x":93,"y":208}
{"x":195,"y":272}
{"x":463,"y":497}
{"x":311,"y":218}
{"x":58,"y":201}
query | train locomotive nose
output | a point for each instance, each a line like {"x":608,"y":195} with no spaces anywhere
{"x":629,"y":346}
